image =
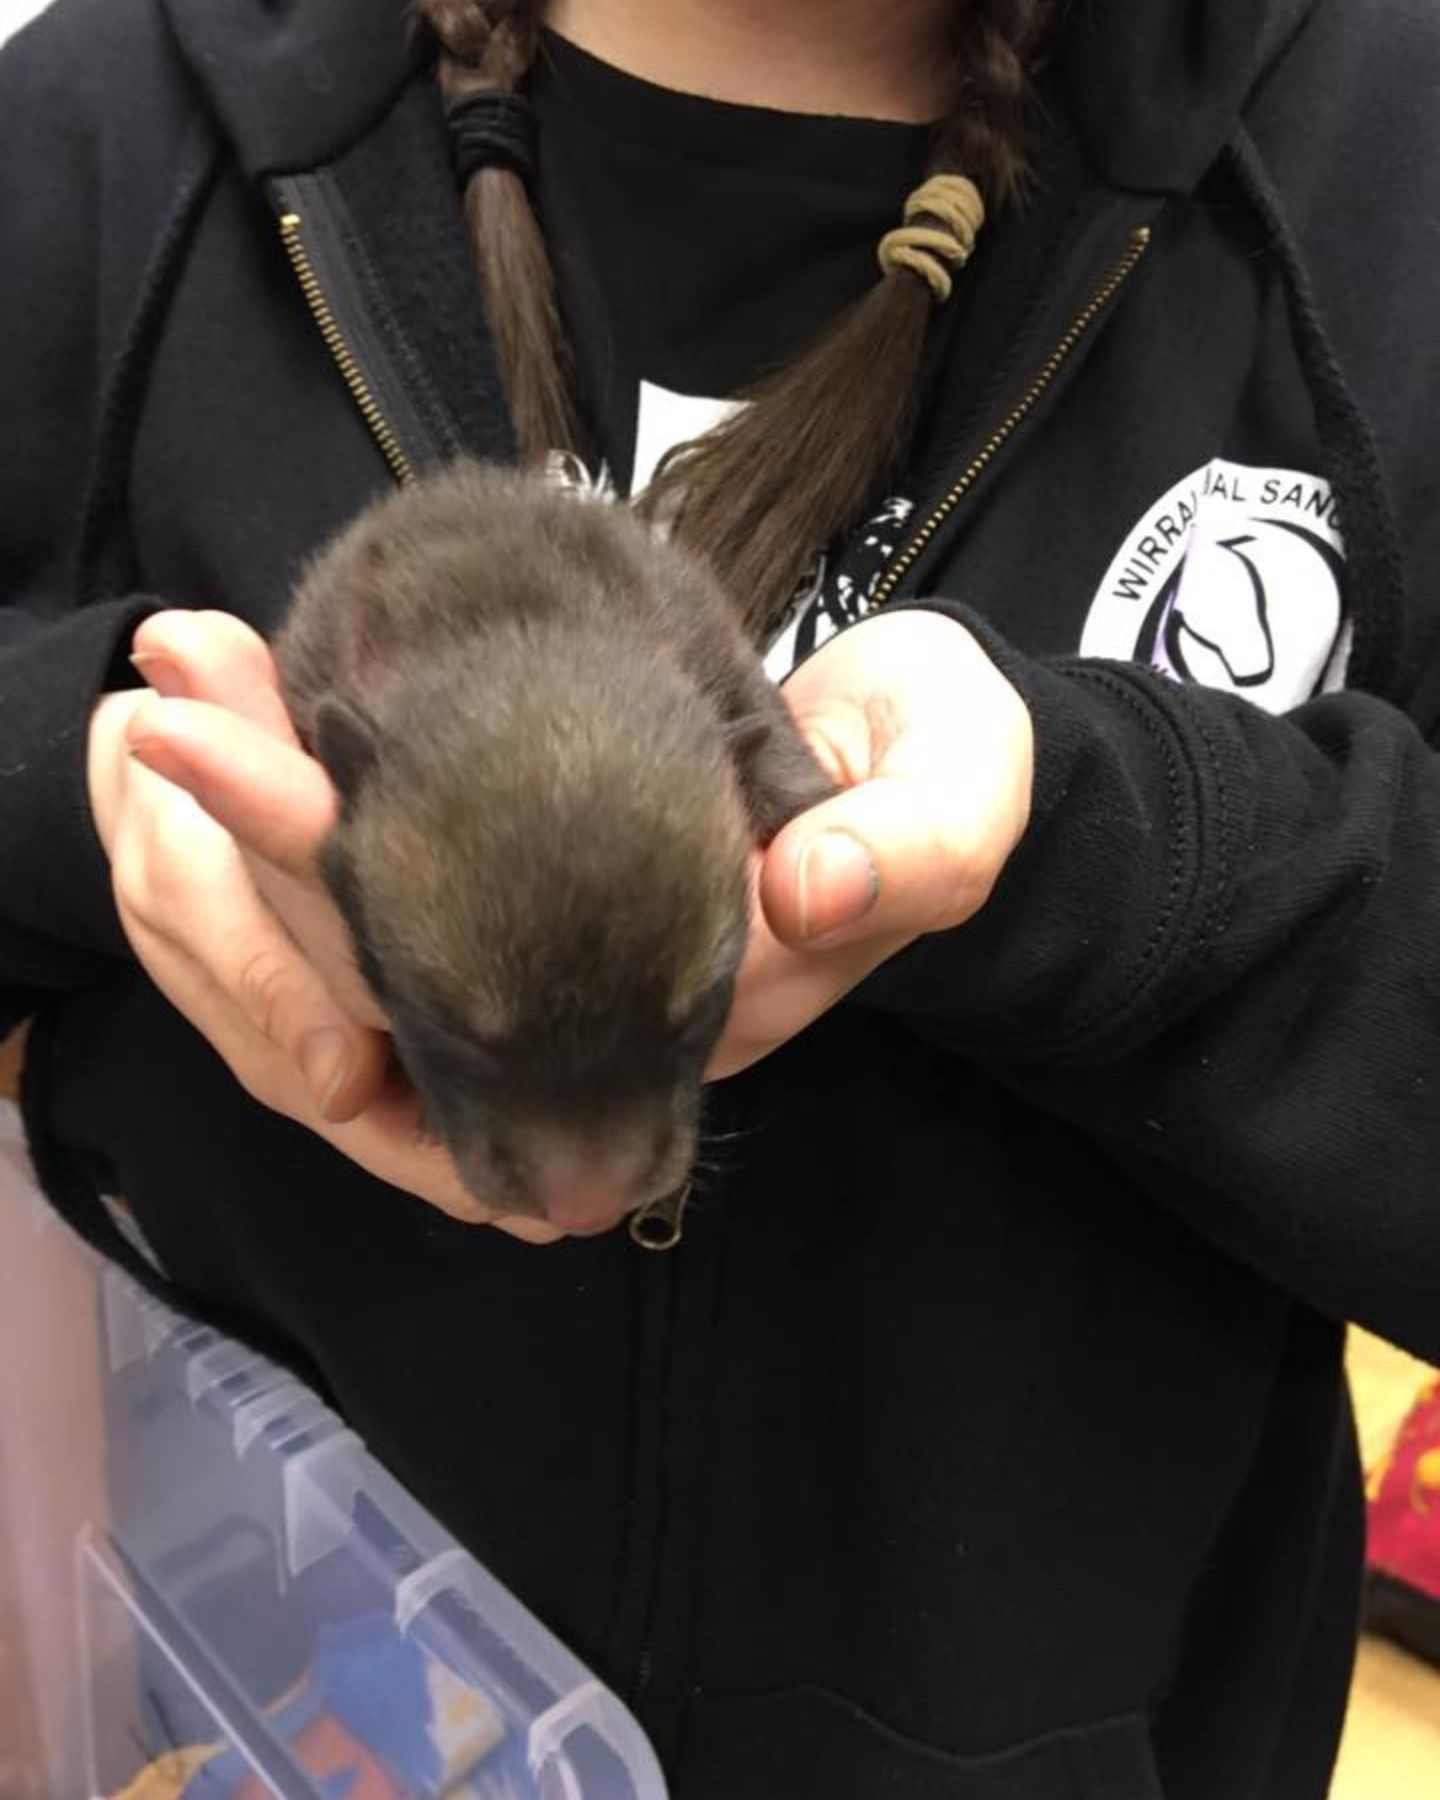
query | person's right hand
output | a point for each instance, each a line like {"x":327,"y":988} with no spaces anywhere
{"x":220,"y":927}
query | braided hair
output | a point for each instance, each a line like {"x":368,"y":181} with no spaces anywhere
{"x":763,"y":493}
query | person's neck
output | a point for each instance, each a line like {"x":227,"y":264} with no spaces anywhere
{"x":870,"y":59}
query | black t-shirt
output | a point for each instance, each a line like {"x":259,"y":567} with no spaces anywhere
{"x":698,"y":244}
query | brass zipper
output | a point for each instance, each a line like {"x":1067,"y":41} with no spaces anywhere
{"x":1048,"y":370}
{"x":360,"y":391}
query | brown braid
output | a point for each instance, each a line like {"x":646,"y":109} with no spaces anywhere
{"x":761,"y":494}
{"x":985,"y":135}
{"x":490,"y":44}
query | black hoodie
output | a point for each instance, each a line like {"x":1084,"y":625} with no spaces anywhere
{"x":987,"y":1437}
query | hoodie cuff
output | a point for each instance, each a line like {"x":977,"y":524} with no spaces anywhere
{"x":1060,"y":962}
{"x":57,"y":909}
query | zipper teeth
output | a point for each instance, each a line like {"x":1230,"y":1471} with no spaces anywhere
{"x":1048,"y":370}
{"x":360,"y":390}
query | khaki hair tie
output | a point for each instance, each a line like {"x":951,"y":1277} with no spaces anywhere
{"x":932,"y":250}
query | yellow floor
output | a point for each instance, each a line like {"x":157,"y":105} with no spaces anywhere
{"x":1392,"y":1734}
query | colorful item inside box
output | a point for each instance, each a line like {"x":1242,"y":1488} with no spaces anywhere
{"x":377,"y":1718}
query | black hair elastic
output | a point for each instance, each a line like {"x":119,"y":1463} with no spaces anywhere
{"x":493,"y":129}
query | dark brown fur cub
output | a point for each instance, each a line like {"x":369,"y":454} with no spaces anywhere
{"x":555,"y":749}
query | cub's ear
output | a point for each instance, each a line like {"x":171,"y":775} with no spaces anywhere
{"x":748,"y":736}
{"x":347,"y":744}
{"x":779,"y":774}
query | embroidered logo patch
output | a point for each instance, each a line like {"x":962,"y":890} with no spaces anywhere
{"x":1231,"y":580}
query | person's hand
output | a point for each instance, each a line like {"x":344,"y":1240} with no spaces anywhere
{"x":934,"y":751}
{"x":211,"y":815}
{"x":276,"y":801}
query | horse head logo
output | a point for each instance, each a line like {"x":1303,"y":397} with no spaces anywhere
{"x":1214,"y":619}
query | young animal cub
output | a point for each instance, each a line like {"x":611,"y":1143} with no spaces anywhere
{"x":555,"y":750}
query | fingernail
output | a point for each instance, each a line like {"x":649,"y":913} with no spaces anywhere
{"x":838,"y":883}
{"x":324,"y":1059}
{"x":155,"y":754}
{"x":160,"y":673}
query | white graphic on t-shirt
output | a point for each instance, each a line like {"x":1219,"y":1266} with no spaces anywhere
{"x":827,"y":599}
{"x":1231,"y":580}
{"x":664,"y":419}
{"x":830,"y":599}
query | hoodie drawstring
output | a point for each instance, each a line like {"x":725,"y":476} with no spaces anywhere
{"x":1373,"y":555}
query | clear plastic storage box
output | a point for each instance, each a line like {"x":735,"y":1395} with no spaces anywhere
{"x":210,"y":1591}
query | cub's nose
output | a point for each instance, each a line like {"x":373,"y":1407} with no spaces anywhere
{"x":583,"y":1190}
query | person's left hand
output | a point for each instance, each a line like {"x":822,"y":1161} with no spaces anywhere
{"x":934,"y":750}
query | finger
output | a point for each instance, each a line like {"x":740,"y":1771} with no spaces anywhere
{"x":288,"y":1002}
{"x":216,"y":657}
{"x":268,"y":1072}
{"x":795,"y":996}
{"x":181,"y":879}
{"x":107,"y":762}
{"x":893,"y":857}
{"x":269,"y":795}
{"x":779,"y":991}
{"x":313,"y":920}
{"x":277,"y":1025}
{"x":240,"y":774}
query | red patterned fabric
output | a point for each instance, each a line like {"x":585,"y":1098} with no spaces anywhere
{"x":1404,"y":1510}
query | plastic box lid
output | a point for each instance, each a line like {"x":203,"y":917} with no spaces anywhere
{"x":253,"y":1606}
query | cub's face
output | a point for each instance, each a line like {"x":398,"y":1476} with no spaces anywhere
{"x":561,"y":1058}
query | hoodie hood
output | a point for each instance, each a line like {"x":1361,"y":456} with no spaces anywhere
{"x":1157,"y":86}
{"x":296,"y":82}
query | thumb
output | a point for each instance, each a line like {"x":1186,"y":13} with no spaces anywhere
{"x":887,"y":858}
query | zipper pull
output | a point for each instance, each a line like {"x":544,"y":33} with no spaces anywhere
{"x":658,"y":1225}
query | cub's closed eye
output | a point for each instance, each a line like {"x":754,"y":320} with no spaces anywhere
{"x":486,"y":1061}
{"x":461,"y":1056}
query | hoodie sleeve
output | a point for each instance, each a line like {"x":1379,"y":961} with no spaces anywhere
{"x":1217,"y":951}
{"x":81,"y":191}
